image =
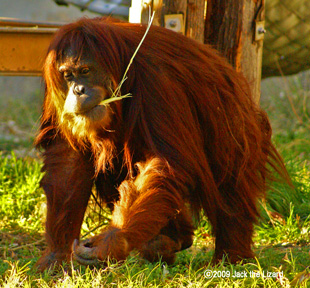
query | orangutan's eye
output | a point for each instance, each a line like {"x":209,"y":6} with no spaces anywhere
{"x":85,"y":71}
{"x":67,"y":75}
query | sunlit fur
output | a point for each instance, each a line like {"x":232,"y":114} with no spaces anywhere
{"x":82,"y":126}
{"x":189,"y":140}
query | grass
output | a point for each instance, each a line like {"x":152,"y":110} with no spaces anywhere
{"x":19,"y":118}
{"x":116,"y":94}
{"x":281,"y":240}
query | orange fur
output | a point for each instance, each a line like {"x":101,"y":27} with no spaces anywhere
{"x":189,"y":139}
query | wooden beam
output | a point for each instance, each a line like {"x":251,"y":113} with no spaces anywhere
{"x":231,"y":28}
{"x":195,"y":19}
{"x":191,"y":10}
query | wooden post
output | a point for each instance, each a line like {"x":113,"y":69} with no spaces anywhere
{"x":195,"y":19}
{"x":192,"y":12}
{"x":236,"y":29}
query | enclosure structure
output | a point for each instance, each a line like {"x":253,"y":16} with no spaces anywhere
{"x":286,"y":46}
{"x":23,"y":46}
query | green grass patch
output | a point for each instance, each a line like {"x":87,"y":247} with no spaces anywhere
{"x":19,"y":121}
{"x":280,"y":243}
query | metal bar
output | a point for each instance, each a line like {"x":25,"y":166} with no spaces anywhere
{"x":23,"y":46}
{"x":14,"y":22}
{"x":29,"y":30}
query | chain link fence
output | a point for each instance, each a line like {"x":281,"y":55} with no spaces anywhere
{"x":287,"y":41}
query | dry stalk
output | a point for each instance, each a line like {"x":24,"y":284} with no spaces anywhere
{"x":116,"y":94}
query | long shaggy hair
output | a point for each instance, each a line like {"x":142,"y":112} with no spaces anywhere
{"x":189,"y":108}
